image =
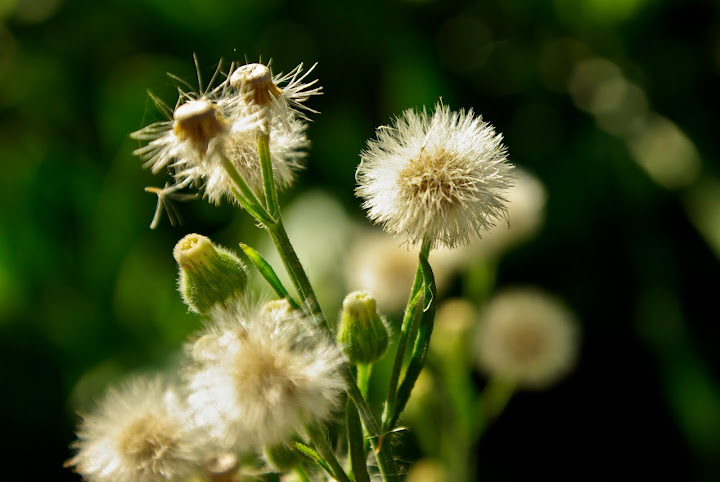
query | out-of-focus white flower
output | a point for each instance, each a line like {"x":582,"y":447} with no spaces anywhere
{"x":525,"y":214}
{"x":441,"y":176}
{"x":378,"y":264}
{"x":527,"y":337}
{"x":140,"y":432}
{"x":259,"y":376}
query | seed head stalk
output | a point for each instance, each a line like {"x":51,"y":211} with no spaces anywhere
{"x":404,"y":338}
{"x":271,"y":219}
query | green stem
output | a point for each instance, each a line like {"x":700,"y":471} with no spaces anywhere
{"x":301,"y":474}
{"x":364,"y":370}
{"x":422,"y":343}
{"x":292,"y":263}
{"x":405,"y":330}
{"x":322,"y":445}
{"x":296,"y":272}
{"x":356,"y":443}
{"x":246,"y":197}
{"x":271,"y":196}
{"x":494,"y":399}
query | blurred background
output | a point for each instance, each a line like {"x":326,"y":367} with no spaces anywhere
{"x":608,"y":103}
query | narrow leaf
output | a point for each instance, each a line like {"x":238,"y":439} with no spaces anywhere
{"x":267,"y":272}
{"x":312,"y":455}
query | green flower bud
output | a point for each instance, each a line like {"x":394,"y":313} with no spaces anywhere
{"x":362,"y":332}
{"x":208,"y":274}
{"x":281,"y":457}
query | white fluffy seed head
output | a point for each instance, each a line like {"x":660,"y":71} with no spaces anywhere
{"x":259,"y":376}
{"x":527,"y":337}
{"x":141,"y":432}
{"x":443,"y":176}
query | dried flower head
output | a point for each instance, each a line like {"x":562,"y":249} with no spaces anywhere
{"x":194,"y":131}
{"x":527,"y":337}
{"x":277,"y":99}
{"x":259,"y":376}
{"x":441,"y":176}
{"x":221,"y":123}
{"x":139,"y":433}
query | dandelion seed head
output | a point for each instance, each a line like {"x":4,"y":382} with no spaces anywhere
{"x":259,"y":376}
{"x":139,"y":433}
{"x":527,"y":337}
{"x":443,"y":176}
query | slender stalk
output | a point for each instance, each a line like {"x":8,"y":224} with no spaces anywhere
{"x":495,"y":398}
{"x":405,"y":330}
{"x":301,"y":474}
{"x":292,"y":264}
{"x":296,"y":271}
{"x":246,"y":197}
{"x":422,"y":343}
{"x":356,"y":443}
{"x":322,"y":445}
{"x":271,"y":196}
{"x":364,"y":370}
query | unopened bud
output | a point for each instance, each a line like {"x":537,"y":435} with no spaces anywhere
{"x":208,"y":274}
{"x":362,"y":332}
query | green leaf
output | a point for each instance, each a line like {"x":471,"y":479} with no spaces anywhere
{"x":312,"y":455}
{"x":267,"y":272}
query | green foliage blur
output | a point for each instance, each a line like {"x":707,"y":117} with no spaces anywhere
{"x":611,"y":103}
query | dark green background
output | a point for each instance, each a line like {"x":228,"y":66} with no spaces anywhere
{"x":87,"y":289}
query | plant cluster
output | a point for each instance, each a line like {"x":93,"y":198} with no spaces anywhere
{"x":262,"y":385}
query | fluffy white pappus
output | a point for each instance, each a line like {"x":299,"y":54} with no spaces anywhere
{"x":194,"y":129}
{"x":139,"y":433}
{"x":258,"y":376}
{"x":273,"y":99}
{"x":288,"y":149}
{"x":442,"y":176}
{"x":527,"y":337}
{"x":526,"y":214}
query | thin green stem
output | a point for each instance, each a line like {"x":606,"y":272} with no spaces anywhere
{"x":296,"y":271}
{"x":292,"y":264}
{"x":317,"y":435}
{"x":422,"y":343}
{"x":494,"y":399}
{"x":245,"y":196}
{"x":405,"y":330}
{"x":364,"y":370}
{"x":301,"y":474}
{"x":271,"y":196}
{"x":356,"y":443}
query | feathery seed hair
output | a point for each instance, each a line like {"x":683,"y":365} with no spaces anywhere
{"x":140,"y":432}
{"x":258,"y":376}
{"x":443,"y":176}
